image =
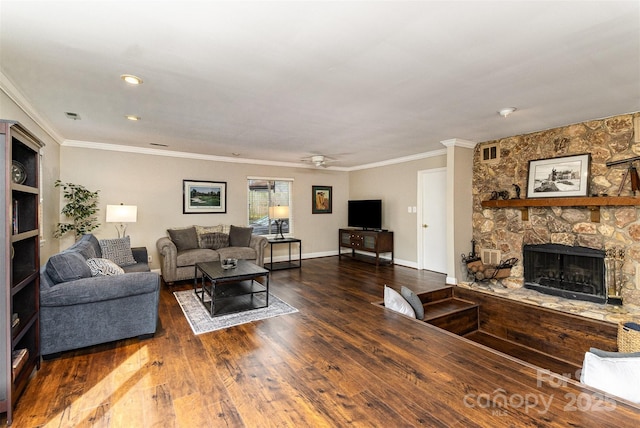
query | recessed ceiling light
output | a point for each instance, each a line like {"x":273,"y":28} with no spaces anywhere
{"x":132,"y":117}
{"x":506,"y":111}
{"x":131,"y":79}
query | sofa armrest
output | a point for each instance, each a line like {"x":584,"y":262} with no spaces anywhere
{"x":100,"y":288}
{"x":258,"y":243}
{"x":169,"y":258}
{"x":166,"y":247}
{"x":140,"y":254}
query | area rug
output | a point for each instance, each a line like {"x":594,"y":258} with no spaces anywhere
{"x":201,"y":322}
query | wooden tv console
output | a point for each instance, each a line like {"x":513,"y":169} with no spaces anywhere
{"x":370,"y":241}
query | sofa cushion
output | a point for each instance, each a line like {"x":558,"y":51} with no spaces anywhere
{"x":118,"y":251}
{"x":103,"y":267}
{"x":244,"y":253}
{"x":67,"y":266}
{"x":214,"y":240}
{"x":240,"y":236}
{"x":184,"y":239}
{"x":138,"y":267}
{"x":197,"y":255}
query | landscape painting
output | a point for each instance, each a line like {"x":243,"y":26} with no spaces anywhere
{"x":204,"y":197}
{"x":565,"y":176}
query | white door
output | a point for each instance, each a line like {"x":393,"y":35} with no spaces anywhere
{"x":432,"y":219}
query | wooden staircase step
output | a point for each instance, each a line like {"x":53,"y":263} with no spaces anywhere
{"x":455,"y":315}
{"x":445,"y":306}
{"x":524,"y":353}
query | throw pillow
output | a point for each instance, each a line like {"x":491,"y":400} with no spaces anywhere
{"x":67,"y":266}
{"x":184,"y":239}
{"x":394,"y":301}
{"x":214,"y":240}
{"x":118,"y":250}
{"x":102,"y":267}
{"x":617,"y":376}
{"x":240,"y":236}
{"x":414,"y":301}
{"x":201,"y":230}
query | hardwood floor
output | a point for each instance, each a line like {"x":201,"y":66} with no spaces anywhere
{"x":339,"y":361}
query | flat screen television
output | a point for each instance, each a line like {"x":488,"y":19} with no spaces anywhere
{"x":366,"y":214}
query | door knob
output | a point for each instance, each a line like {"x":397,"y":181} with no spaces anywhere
{"x":425,"y":225}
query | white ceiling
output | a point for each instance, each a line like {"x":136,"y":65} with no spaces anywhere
{"x":361,"y":82}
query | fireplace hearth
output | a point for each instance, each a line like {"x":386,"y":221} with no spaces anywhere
{"x":566,"y":271}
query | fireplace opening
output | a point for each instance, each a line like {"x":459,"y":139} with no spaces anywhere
{"x":570,"y":272}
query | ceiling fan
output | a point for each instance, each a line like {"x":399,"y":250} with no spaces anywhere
{"x":319,"y":160}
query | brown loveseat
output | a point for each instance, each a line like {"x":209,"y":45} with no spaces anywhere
{"x":184,"y":247}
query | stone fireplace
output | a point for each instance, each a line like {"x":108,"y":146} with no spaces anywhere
{"x":561,"y":270}
{"x":505,"y":229}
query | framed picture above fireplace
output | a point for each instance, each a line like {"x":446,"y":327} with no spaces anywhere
{"x":559,"y":177}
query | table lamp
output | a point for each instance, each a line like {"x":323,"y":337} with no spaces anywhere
{"x":122,"y":214}
{"x":279,"y":213}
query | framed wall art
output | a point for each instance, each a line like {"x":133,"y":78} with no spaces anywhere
{"x":204,"y":197}
{"x":565,"y":176}
{"x":321,"y":198}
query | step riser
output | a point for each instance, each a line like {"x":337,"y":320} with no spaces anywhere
{"x":461,"y":322}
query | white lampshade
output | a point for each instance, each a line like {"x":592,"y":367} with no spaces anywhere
{"x":122,"y":213}
{"x":278,"y":212}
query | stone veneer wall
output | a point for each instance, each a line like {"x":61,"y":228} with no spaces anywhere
{"x":503,"y":229}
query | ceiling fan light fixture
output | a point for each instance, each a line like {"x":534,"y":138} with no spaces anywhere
{"x":504,"y":112}
{"x":318,"y":160}
{"x":131,"y":79}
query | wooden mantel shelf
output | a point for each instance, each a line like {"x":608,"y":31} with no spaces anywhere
{"x":593,"y":203}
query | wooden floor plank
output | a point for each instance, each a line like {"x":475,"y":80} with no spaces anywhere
{"x":339,"y":361}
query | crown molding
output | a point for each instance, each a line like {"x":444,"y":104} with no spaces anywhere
{"x":184,"y":155}
{"x":198,"y":156}
{"x":431,"y":154}
{"x":7,"y":86}
{"x":458,"y":142}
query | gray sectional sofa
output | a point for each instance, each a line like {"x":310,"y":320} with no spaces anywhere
{"x":186,"y":246}
{"x":79,"y":310}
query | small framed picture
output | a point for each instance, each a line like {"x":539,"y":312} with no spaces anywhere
{"x":565,"y":176}
{"x":204,"y":197}
{"x":321,"y":198}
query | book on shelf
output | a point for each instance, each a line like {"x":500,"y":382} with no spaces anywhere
{"x":18,"y":359}
{"x":15,"y":216}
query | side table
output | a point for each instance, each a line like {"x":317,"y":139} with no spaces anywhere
{"x":290,"y":264}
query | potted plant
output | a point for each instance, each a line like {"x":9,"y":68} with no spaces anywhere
{"x":81,"y":208}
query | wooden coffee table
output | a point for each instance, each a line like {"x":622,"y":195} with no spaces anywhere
{"x":225,"y":291}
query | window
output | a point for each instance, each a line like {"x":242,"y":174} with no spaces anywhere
{"x":263,"y":194}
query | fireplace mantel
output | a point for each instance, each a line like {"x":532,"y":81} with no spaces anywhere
{"x":593,"y":203}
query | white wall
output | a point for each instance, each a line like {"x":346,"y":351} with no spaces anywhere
{"x":397,"y":186}
{"x":154,"y":184}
